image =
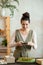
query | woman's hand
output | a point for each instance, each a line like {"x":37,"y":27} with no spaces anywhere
{"x":19,"y":43}
{"x":31,"y":44}
{"x":16,"y":44}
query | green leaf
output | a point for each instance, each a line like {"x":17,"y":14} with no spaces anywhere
{"x":1,"y":5}
{"x":7,"y":4}
{"x":4,"y":42}
{"x":4,"y":1}
{"x":12,"y":11}
{"x":17,"y":1}
{"x":11,"y":6}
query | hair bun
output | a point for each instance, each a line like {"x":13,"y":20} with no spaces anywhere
{"x":26,"y":14}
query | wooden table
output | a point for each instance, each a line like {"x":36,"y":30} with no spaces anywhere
{"x":22,"y":64}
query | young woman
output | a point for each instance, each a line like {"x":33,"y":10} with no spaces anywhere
{"x":23,"y":39}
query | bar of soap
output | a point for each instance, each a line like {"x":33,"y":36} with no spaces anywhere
{"x":39,"y":61}
{"x":9,"y":59}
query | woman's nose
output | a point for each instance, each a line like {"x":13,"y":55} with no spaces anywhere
{"x":25,"y":26}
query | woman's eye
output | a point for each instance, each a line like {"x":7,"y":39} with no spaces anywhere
{"x":26,"y":24}
{"x":23,"y":24}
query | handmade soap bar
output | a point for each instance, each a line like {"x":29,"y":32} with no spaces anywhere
{"x":9,"y":59}
{"x":39,"y":61}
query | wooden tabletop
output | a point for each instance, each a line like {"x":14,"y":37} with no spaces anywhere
{"x":22,"y":64}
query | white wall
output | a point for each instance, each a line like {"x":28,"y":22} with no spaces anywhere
{"x":35,"y":8}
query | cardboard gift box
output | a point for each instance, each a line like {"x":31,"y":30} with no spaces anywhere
{"x":39,"y":61}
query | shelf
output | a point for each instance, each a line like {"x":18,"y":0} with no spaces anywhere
{"x":3,"y":49}
{"x":2,"y":36}
{"x":2,"y":55}
{"x":5,"y":34}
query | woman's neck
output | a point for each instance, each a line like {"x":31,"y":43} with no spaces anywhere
{"x":25,"y":30}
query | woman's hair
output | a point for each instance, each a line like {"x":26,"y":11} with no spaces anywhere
{"x":25,"y":16}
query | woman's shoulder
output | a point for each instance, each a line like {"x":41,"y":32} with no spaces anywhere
{"x":17,"y":30}
{"x":33,"y":31}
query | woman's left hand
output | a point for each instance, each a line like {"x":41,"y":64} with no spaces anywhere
{"x":30,"y":43}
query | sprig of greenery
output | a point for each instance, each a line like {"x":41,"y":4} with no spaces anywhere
{"x":4,"y":42}
{"x":7,"y":4}
{"x":17,"y":1}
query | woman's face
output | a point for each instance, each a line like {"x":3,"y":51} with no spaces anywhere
{"x":25,"y":24}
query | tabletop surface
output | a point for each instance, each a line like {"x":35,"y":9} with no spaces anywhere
{"x":22,"y":64}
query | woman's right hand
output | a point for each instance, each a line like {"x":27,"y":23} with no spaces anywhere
{"x":19,"y":43}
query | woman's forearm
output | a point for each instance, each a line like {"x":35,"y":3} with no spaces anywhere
{"x":16,"y":44}
{"x":13,"y":44}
